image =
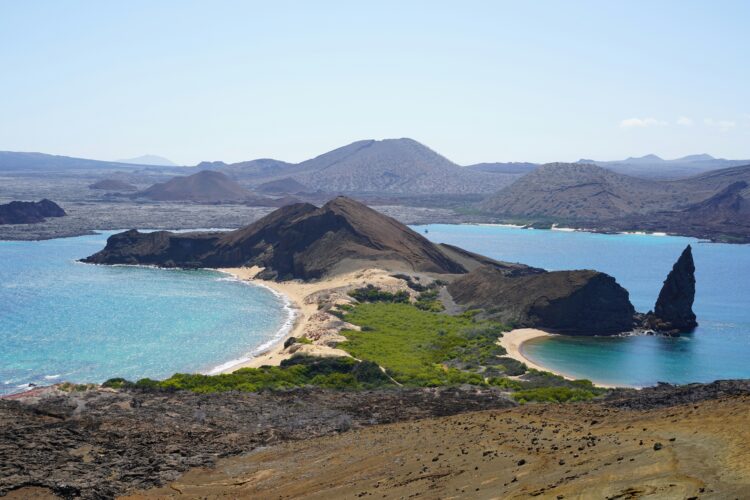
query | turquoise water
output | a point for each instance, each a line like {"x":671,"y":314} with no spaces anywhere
{"x":718,"y":349}
{"x":62,"y":320}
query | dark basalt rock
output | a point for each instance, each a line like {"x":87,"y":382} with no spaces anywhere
{"x":99,"y":444}
{"x":572,"y":302}
{"x":673,"y":313}
{"x":29,"y":212}
{"x":296,"y":241}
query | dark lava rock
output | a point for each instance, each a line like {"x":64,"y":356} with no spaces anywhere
{"x":674,"y":307}
{"x":100,"y":443}
{"x":113,"y":185}
{"x":664,"y":395}
{"x":296,"y":241}
{"x":574,"y":302}
{"x":29,"y":212}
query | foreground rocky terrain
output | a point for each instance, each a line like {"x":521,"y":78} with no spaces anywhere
{"x":662,"y":442}
{"x":100,"y":443}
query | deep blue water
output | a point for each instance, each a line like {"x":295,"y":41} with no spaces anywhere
{"x":62,"y":320}
{"x":718,"y":349}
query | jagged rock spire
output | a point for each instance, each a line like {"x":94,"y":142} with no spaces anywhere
{"x":674,"y":307}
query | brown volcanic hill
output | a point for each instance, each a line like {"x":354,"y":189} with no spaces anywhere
{"x":588,"y":192}
{"x":29,"y":212}
{"x":206,"y":187}
{"x":113,"y":185}
{"x":296,"y":241}
{"x":371,"y":167}
{"x":580,"y":192}
{"x":576,"y":302}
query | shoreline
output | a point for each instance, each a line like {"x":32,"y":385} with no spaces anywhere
{"x":513,"y":342}
{"x":305,"y":300}
{"x":271,"y":352}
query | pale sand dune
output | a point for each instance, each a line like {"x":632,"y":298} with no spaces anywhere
{"x":305,"y":298}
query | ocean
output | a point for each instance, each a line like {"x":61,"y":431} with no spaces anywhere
{"x":61,"y":320}
{"x":718,"y":349}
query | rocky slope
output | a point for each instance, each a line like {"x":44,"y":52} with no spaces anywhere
{"x":725,"y":216}
{"x":399,"y":443}
{"x":205,"y":187}
{"x":712,"y":205}
{"x":99,"y":443}
{"x":569,"y":191}
{"x":573,"y":302}
{"x":29,"y":212}
{"x":296,"y":241}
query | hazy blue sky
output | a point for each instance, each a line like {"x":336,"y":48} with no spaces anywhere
{"x":476,"y":81}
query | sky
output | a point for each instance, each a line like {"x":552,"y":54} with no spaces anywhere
{"x":477,"y":81}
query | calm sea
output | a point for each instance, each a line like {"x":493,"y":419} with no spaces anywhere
{"x":718,"y":349}
{"x":62,"y":320}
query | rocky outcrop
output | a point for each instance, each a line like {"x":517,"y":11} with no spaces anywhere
{"x":29,"y":212}
{"x":297,"y":241}
{"x":572,"y":302}
{"x":673,"y":312}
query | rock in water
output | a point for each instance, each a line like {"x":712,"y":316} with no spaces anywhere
{"x":674,"y":307}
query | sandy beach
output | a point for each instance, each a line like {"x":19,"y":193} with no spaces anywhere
{"x":513,"y":340}
{"x":310,"y":321}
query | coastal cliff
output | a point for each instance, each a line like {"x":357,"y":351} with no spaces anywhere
{"x":575,"y":302}
{"x":29,"y":212}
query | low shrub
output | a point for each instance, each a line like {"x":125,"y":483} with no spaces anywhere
{"x":553,"y":395}
{"x":372,"y":293}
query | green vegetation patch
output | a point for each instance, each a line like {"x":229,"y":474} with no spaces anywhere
{"x":372,"y":293}
{"x":422,"y":348}
{"x":554,"y":395}
{"x":300,"y":370}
